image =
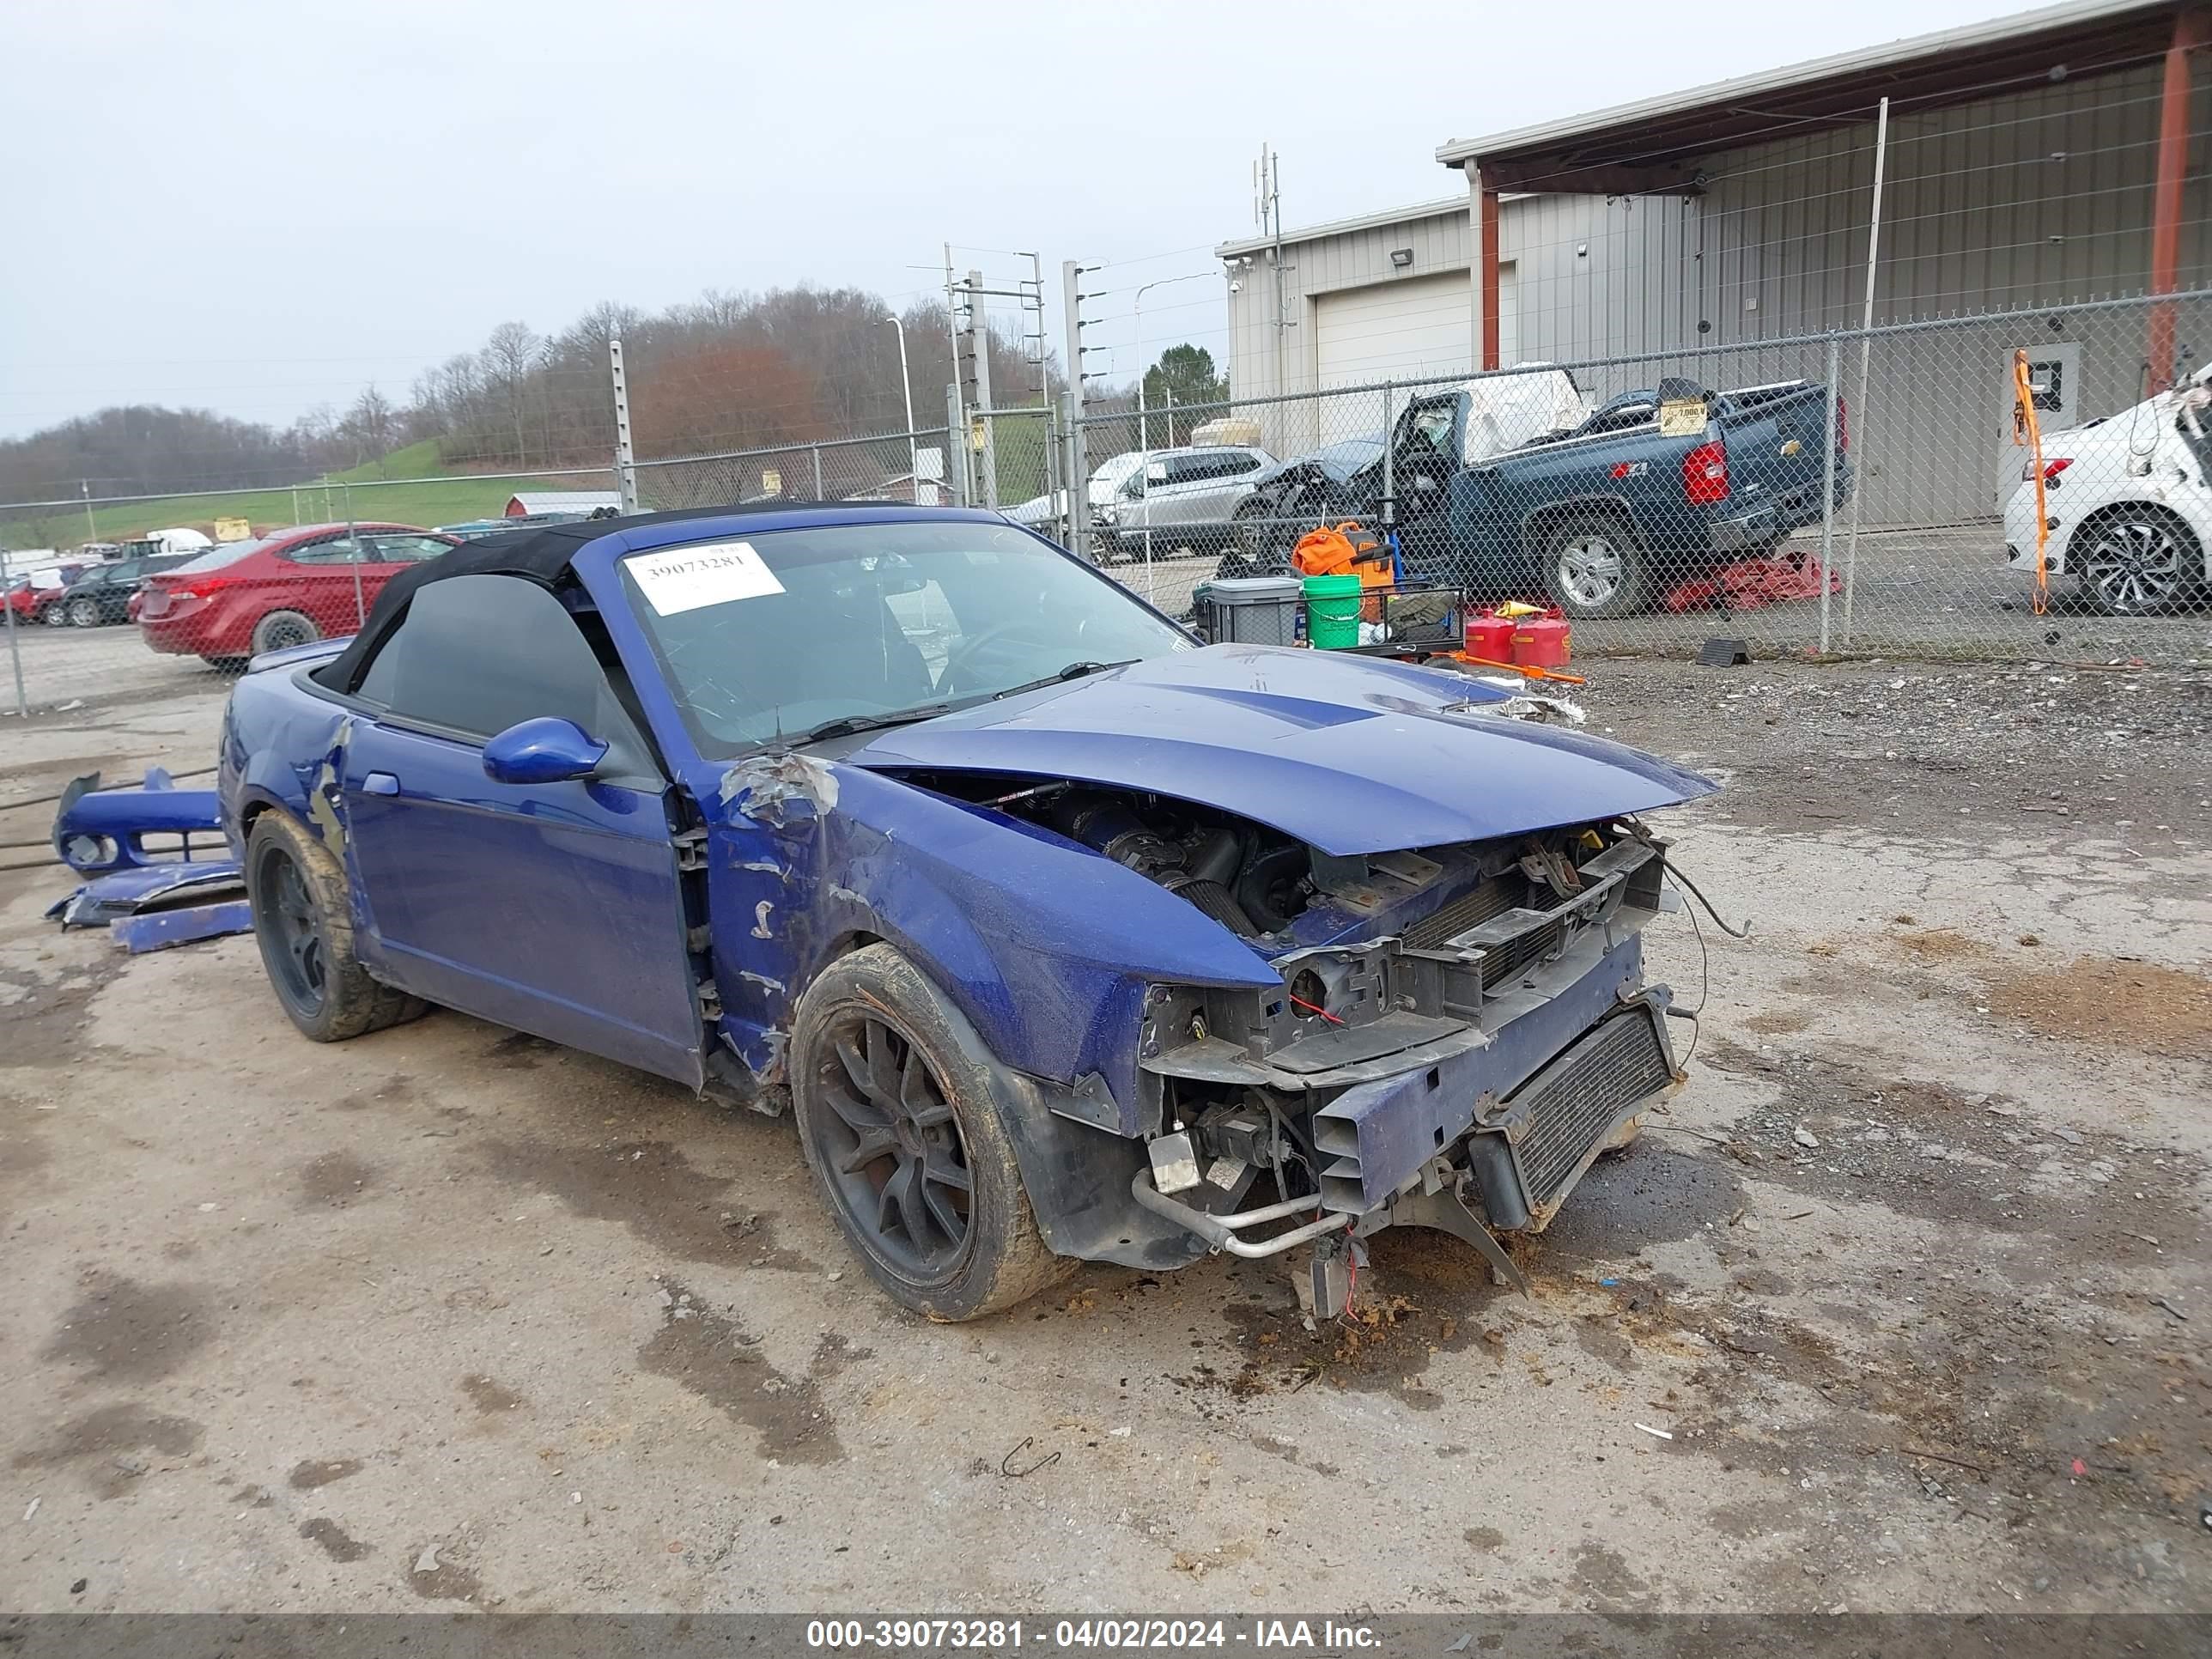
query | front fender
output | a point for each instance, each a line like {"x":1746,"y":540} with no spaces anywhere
{"x":1043,"y":945}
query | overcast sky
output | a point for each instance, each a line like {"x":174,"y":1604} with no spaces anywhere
{"x":259,"y":207}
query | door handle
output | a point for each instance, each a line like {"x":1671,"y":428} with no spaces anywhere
{"x":379,"y":783}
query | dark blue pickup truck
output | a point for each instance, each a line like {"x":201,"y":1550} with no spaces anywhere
{"x":1510,"y":486}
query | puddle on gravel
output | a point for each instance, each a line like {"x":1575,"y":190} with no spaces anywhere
{"x":651,"y":1188}
{"x":334,"y":1179}
{"x":311,"y":1473}
{"x":713,"y":1356}
{"x":333,"y":1540}
{"x":114,"y":1441}
{"x":488,"y":1397}
{"x":46,"y":1021}
{"x":121,"y":1331}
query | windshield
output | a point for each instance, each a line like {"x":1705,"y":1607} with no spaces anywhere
{"x":788,"y":629}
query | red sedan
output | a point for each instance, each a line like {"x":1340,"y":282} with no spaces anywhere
{"x":284,"y":588}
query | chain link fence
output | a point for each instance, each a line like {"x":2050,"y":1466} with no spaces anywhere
{"x":895,"y":466}
{"x":1663,"y":499}
{"x":113,"y":600}
{"x":1861,"y":493}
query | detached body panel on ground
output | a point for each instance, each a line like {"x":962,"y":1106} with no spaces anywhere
{"x":1064,"y":939}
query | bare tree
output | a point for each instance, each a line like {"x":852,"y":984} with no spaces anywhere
{"x":369,"y":424}
{"x":509,"y":354}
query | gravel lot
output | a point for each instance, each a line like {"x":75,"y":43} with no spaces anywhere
{"x":1916,"y":1274}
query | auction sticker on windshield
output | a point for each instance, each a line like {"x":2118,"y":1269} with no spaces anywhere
{"x":686,"y":578}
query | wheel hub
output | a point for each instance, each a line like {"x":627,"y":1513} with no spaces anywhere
{"x":1589,"y":570}
{"x":890,"y":1142}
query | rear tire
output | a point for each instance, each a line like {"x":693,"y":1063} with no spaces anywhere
{"x":279,"y":629}
{"x":1594,"y":568}
{"x":303,"y":922}
{"x":895,"y":1098}
{"x":2136,"y":559}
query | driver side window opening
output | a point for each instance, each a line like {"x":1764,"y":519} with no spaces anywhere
{"x":475,"y":655}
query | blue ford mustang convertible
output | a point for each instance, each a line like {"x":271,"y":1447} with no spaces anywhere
{"x":1062,"y":937}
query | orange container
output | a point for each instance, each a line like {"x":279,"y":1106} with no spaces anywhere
{"x":1490,"y":638}
{"x":1541,"y":641}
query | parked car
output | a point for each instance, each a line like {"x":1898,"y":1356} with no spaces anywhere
{"x":1045,"y":513}
{"x":35,"y":599}
{"x":286,"y":588}
{"x":100,"y":594}
{"x":1061,"y":936}
{"x":1177,"y":498}
{"x":1293,"y":497}
{"x":2128,"y":504}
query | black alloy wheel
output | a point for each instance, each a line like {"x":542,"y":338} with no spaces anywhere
{"x":890,"y":1144}
{"x":290,"y":931}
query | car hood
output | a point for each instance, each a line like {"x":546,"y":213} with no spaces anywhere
{"x":1347,"y":753}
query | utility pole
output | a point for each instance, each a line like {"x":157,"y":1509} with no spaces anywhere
{"x":979,"y":344}
{"x":625,"y":462}
{"x":91,"y":529}
{"x":1268,"y":214}
{"x":15,"y":652}
{"x":913,"y":450}
{"x":1079,"y":470}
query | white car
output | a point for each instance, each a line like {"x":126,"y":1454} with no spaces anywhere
{"x":1047,"y":514}
{"x":2127,"y":503}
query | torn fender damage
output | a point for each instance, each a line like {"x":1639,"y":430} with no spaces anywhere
{"x":780,"y":790}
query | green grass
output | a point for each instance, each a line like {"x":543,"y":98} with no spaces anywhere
{"x":446,"y":502}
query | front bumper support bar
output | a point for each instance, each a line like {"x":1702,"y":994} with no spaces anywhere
{"x":1221,"y":1232}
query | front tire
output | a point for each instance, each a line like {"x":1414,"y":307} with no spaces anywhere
{"x":304,"y":925}
{"x":1594,"y":568}
{"x":2136,"y":559}
{"x":84,"y":613}
{"x":901,"y":1118}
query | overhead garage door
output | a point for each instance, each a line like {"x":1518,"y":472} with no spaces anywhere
{"x":1392,"y":330}
{"x":1408,"y":329}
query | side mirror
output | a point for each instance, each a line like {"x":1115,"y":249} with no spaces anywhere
{"x":546,"y":750}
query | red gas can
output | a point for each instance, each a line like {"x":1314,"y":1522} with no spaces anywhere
{"x":1541,"y":641}
{"x":1490,"y":638}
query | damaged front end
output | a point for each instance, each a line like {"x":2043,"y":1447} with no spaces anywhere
{"x":1457,"y":1032}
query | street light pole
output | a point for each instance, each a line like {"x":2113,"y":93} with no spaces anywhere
{"x":913,"y":444}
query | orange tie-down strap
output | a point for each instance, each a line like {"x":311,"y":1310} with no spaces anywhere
{"x":2028,"y":433}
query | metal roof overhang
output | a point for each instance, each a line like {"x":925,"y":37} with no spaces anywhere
{"x":1652,"y":148}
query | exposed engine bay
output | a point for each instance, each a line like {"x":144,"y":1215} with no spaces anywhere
{"x":1458,"y":1031}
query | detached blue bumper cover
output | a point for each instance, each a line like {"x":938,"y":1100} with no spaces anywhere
{"x":98,"y":831}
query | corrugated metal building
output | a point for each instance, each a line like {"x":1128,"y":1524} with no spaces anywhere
{"x":2028,"y":162}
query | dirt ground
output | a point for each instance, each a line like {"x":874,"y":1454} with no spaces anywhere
{"x":1903,"y":1305}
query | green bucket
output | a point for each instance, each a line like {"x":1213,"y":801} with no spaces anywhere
{"x":1332,"y":612}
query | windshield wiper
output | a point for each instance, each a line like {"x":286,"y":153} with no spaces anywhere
{"x":846,"y":726}
{"x":1074,"y":671}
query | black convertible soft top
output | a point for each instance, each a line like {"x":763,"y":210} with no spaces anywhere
{"x":538,"y":553}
